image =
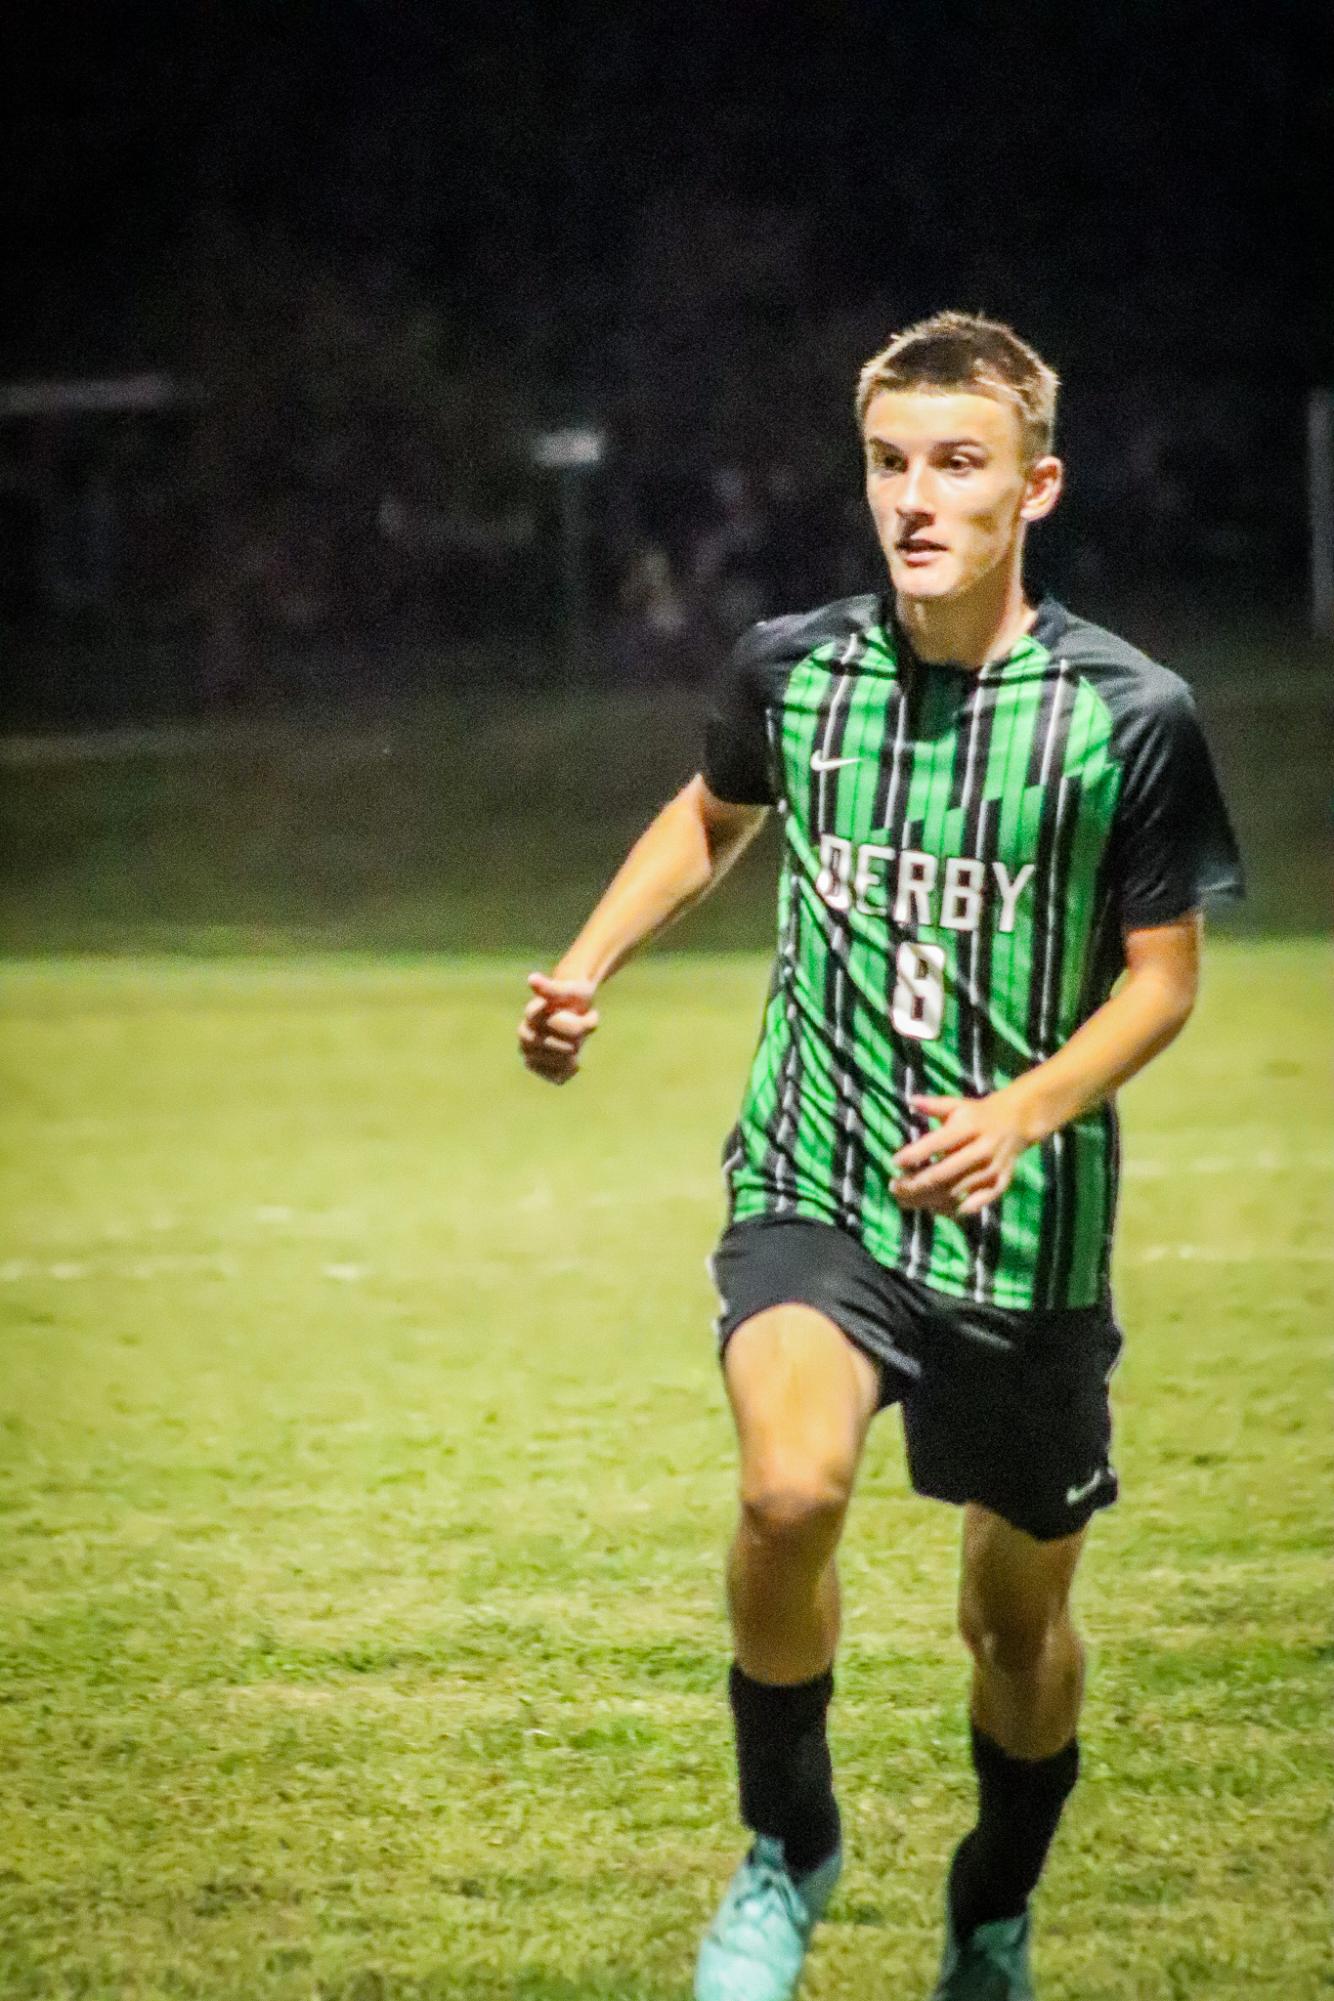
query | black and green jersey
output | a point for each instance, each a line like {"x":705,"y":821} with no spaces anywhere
{"x":963,"y":852}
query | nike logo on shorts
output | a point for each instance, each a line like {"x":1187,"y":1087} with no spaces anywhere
{"x":1074,"y":1495}
{"x":819,"y":763}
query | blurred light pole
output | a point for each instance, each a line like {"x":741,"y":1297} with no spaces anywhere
{"x":572,"y":452}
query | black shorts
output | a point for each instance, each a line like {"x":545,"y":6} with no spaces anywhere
{"x":1005,"y":1408}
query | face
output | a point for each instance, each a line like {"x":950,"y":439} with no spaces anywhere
{"x":948,"y":488}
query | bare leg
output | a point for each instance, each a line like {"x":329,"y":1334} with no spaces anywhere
{"x":803,"y":1398}
{"x":1014,"y":1612}
{"x":1028,"y":1680}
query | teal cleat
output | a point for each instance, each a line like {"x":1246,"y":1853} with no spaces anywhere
{"x":754,"y":1949}
{"x":992,"y":1966}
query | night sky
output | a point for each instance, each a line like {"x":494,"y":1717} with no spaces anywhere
{"x":1146,"y":181}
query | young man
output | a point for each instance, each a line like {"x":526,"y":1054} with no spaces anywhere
{"x":992,"y":813}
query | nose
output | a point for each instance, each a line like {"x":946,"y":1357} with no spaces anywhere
{"x":914,"y":494}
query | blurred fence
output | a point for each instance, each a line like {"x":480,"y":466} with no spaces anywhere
{"x":155,"y":564}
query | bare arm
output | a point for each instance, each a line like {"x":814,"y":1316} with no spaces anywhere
{"x":967,"y":1162}
{"x":686,"y":850}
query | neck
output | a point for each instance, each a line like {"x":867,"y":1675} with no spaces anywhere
{"x":984,"y":624}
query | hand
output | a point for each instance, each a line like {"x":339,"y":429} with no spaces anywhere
{"x":556,"y":1023}
{"x":967,"y":1163}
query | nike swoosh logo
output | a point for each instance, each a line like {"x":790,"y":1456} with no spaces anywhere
{"x":819,"y":763}
{"x":1074,"y":1495}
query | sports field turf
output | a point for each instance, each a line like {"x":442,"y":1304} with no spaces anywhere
{"x":365,"y":1476}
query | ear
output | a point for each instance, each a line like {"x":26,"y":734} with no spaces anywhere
{"x":1042,"y":488}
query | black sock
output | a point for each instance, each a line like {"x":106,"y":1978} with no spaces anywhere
{"x":996,"y":1867}
{"x":787,"y":1781}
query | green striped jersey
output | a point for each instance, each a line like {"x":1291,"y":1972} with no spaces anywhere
{"x":963,"y":852}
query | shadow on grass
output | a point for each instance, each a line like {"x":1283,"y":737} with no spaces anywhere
{"x":534,"y":1983}
{"x":539,"y":1983}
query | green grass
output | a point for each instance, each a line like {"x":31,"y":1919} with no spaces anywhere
{"x":365,"y":1475}
{"x":488,"y":824}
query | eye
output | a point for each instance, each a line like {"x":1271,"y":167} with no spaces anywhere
{"x":962,"y":462}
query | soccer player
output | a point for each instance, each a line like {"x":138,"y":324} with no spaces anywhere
{"x":1000,"y":824}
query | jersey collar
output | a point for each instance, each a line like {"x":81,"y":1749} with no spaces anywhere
{"x":1046,"y":629}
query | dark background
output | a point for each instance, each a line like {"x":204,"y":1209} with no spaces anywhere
{"x":367,"y":249}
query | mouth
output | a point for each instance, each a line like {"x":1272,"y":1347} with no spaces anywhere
{"x":915,"y":551}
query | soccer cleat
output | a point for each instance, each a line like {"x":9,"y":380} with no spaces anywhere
{"x":992,"y":1965}
{"x":754,"y":1949}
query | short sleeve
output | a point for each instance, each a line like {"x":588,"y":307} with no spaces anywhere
{"x":1173,"y":843}
{"x":735,"y":764}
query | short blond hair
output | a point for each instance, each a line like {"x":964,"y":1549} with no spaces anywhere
{"x":964,"y":351}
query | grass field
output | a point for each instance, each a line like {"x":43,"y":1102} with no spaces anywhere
{"x":365,"y":1474}
{"x":487,"y":824}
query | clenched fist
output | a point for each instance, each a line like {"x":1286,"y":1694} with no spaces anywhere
{"x":556,"y":1023}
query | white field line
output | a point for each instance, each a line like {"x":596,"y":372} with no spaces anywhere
{"x":1146,"y":1167}
{"x":282,"y":1221}
{"x":206,"y":1265}
{"x":211,"y":1264}
{"x":16,"y":1271}
{"x":1263,"y":1161}
{"x":285,"y":1223}
{"x":1230,"y":1254}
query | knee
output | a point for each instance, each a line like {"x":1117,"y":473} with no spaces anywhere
{"x":1013,"y":1640}
{"x":797,"y":1512}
